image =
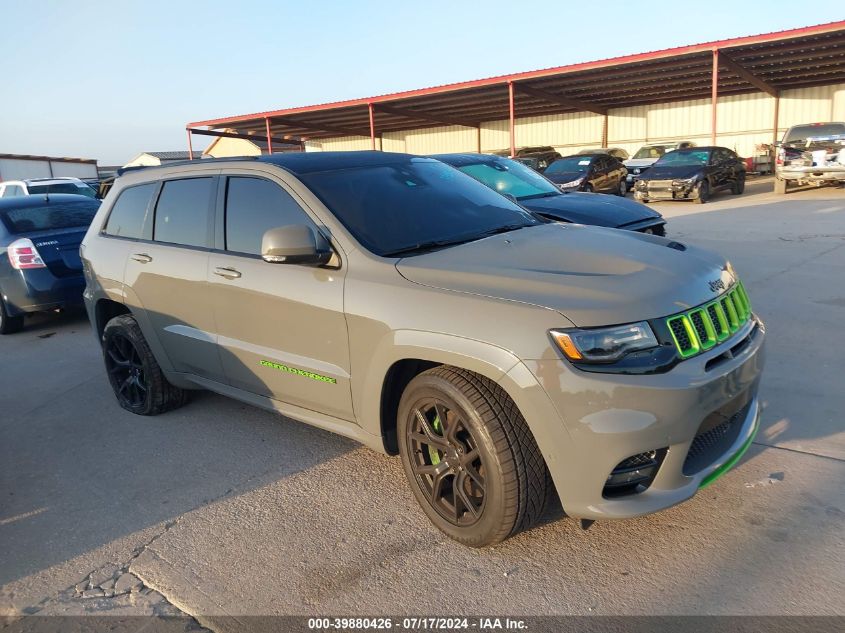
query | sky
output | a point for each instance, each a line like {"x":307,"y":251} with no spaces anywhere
{"x":108,"y":80}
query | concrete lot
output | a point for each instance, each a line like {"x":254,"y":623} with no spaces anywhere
{"x":219,"y":508}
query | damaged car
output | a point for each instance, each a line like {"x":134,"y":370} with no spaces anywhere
{"x":810,"y":154}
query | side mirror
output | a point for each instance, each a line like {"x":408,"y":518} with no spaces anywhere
{"x":293,"y":244}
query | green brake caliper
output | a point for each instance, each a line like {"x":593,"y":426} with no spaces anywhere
{"x":433,"y":454}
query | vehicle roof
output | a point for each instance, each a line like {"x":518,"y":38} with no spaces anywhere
{"x":297,"y":163}
{"x":41,"y":181}
{"x":40,"y":200}
{"x":590,"y":155}
{"x":470,"y":158}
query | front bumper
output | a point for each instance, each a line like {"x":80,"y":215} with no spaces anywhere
{"x":664,"y":190}
{"x":812,"y":174}
{"x":603,"y":419}
{"x":37,"y":289}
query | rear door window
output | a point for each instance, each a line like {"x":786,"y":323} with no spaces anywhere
{"x":253,"y":206}
{"x":51,"y":216}
{"x":182,"y":213}
{"x":129,"y":211}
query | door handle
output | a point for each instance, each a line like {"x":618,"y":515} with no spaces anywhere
{"x":228,"y":273}
{"x":142,"y":258}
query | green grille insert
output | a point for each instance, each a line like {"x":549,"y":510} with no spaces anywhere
{"x":704,"y":327}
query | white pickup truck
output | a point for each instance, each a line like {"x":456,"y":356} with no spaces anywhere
{"x":811,"y":153}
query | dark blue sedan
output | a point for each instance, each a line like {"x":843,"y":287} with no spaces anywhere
{"x":538,"y":194}
{"x":40,"y":267}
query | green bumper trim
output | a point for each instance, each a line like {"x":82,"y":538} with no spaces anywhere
{"x":709,"y":479}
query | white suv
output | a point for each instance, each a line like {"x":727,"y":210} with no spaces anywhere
{"x":33,"y":186}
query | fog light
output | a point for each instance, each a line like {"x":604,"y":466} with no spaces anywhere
{"x":634,"y":474}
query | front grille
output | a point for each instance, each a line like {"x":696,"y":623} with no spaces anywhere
{"x":713,"y":439}
{"x":701,"y":328}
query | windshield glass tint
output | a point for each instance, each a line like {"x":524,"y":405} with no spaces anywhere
{"x":652,"y":151}
{"x":415,"y":201}
{"x":512,"y":178}
{"x":578,"y":164}
{"x":684,"y":158}
{"x":64,"y":187}
{"x":55,"y":215}
{"x":804,"y":132}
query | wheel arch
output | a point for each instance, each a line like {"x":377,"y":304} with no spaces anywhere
{"x":406,"y":354}
{"x":104,"y":311}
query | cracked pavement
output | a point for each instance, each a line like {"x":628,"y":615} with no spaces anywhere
{"x":219,"y":509}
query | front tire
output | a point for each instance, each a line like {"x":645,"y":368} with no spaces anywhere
{"x":469,"y":457}
{"x":135,"y":376}
{"x":702,"y":192}
{"x":9,"y":324}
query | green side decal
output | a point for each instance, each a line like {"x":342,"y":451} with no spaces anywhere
{"x":298,"y":372}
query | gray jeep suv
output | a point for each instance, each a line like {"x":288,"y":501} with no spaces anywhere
{"x":397,"y":301}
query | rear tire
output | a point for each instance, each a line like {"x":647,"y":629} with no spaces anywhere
{"x":470,"y":458}
{"x":623,"y":188}
{"x":739,"y":186}
{"x":135,"y":376}
{"x":780,"y":186}
{"x":9,"y":324}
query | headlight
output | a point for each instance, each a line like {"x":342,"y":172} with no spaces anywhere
{"x":640,"y":184}
{"x":686,"y":182}
{"x":572,"y":183}
{"x":637,"y":170}
{"x":604,"y":345}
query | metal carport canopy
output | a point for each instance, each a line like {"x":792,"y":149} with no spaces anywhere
{"x":770,"y":62}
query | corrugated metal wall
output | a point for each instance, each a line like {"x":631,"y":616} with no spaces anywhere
{"x":744,"y":121}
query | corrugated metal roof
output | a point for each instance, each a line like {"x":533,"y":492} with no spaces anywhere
{"x":775,"y":61}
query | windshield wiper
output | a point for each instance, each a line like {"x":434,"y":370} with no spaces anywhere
{"x":422,"y":247}
{"x":534,"y":196}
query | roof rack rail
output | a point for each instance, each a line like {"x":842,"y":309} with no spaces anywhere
{"x":179,"y":163}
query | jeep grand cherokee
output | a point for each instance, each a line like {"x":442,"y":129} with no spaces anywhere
{"x":397,"y":301}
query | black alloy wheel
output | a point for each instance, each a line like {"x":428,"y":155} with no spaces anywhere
{"x":133,"y":371}
{"x":469,"y":456}
{"x":126,"y":372}
{"x":446,"y":462}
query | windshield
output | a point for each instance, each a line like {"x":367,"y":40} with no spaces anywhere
{"x":684,"y":158}
{"x":824,"y":131}
{"x":579,"y":164}
{"x":63,"y":187}
{"x":653,"y":151}
{"x":511,"y":178}
{"x":53,"y":215}
{"x":415,"y":201}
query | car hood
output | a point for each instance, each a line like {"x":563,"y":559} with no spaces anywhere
{"x":591,"y":208}
{"x":565,"y":176}
{"x":593,"y":276}
{"x":639,"y":162}
{"x":660,"y":172}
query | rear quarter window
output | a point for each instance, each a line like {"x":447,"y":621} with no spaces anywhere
{"x":55,"y":215}
{"x":129,"y":211}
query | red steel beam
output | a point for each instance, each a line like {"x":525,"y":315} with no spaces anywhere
{"x":714,"y":95}
{"x":190,"y":147}
{"x":422,"y":116}
{"x":819,"y":29}
{"x":372,"y":126}
{"x":559,"y":99}
{"x":750,"y":77}
{"x":269,"y":138}
{"x":511,"y":117}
